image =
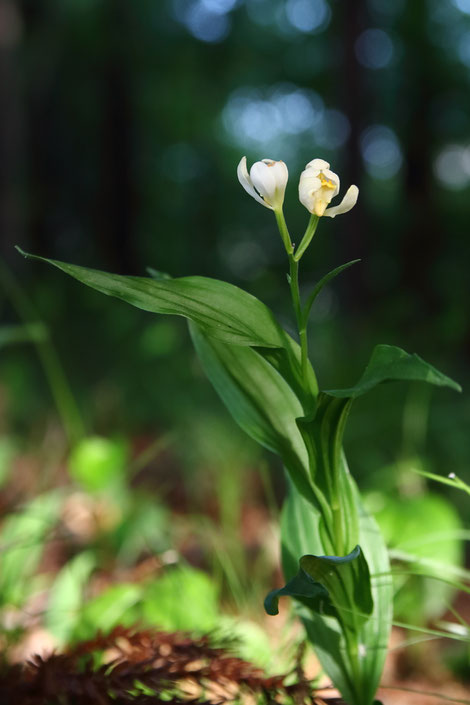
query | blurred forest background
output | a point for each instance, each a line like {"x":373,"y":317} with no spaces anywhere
{"x":121,"y":127}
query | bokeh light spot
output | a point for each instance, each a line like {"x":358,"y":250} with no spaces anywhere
{"x":374,"y":49}
{"x":264,"y":117}
{"x":464,"y":49}
{"x":298,"y":110}
{"x":207,"y":20}
{"x":381,"y":152}
{"x":308,"y":15}
{"x":452,"y":166}
{"x":462,"y":5}
{"x":220,"y":7}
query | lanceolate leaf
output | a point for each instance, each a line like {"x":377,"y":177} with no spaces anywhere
{"x":221,"y":310}
{"x":322,"y":432}
{"x":287,"y":362}
{"x":323,"y":437}
{"x":224,"y":311}
{"x":389,"y":363}
{"x":259,"y":399}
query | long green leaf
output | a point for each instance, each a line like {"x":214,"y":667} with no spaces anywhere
{"x":389,"y":363}
{"x":287,"y":361}
{"x":222,"y":310}
{"x":323,"y":437}
{"x":258,"y":398}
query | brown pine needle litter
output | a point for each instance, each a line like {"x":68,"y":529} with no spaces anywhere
{"x":146,"y":667}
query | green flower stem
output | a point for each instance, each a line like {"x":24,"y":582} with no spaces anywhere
{"x":301,"y":323}
{"x":300,"y":316}
{"x":307,"y":238}
{"x":282,"y":225}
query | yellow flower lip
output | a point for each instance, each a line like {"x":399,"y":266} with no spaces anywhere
{"x":326,"y":182}
{"x":320,"y":208}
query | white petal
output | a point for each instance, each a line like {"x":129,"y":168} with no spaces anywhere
{"x":334,"y":178}
{"x":318,"y":164}
{"x":282,"y":175}
{"x":310,"y":171}
{"x":309,"y":186}
{"x":244,"y":179}
{"x":263,"y":179}
{"x":348,"y":202}
{"x":280,"y":170}
{"x":269,"y":177}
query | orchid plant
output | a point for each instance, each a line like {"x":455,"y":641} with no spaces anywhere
{"x":335,"y":561}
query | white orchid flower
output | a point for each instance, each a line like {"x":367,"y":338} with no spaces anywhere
{"x":266,"y":181}
{"x":318,"y":186}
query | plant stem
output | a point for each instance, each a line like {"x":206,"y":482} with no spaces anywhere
{"x":307,"y":238}
{"x":61,"y":391}
{"x":301,"y":324}
{"x":308,"y":374}
{"x":282,"y":225}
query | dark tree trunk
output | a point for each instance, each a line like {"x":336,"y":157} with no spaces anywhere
{"x":353,"y":100}
{"x":421,"y":237}
{"x":117,"y":201}
{"x":10,"y":131}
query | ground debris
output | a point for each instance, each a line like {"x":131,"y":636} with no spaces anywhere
{"x":145,"y":667}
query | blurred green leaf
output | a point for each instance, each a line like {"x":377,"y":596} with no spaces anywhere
{"x":7,"y":453}
{"x":183,"y":598}
{"x":252,"y":642}
{"x":112,"y":607}
{"x":30,"y":333}
{"x":425,"y":527}
{"x":144,"y":529}
{"x":66,"y":596}
{"x":98,"y":463}
{"x":22,"y":540}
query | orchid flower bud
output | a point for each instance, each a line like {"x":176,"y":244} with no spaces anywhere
{"x":266,"y":182}
{"x":318,"y":186}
